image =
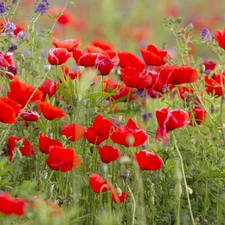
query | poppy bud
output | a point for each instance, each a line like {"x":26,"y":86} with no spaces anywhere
{"x":178,"y":191}
{"x":47,"y":68}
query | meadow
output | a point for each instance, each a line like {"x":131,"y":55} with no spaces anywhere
{"x":112,"y":112}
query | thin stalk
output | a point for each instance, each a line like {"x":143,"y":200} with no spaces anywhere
{"x":134,"y":205}
{"x":184,"y":177}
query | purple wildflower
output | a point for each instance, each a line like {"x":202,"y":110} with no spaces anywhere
{"x":9,"y":29}
{"x":42,"y":7}
{"x":146,"y":116}
{"x":205,"y":35}
{"x":22,"y":35}
{"x":3,"y":10}
{"x":14,"y":1}
{"x":12,"y":48}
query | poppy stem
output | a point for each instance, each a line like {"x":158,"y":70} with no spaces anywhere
{"x":134,"y":205}
{"x":102,"y":96}
{"x":184,"y":177}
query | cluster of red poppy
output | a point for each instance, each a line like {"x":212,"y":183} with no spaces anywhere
{"x":155,"y":74}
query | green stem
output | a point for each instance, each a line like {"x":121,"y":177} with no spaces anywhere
{"x":184,"y":177}
{"x":134,"y":205}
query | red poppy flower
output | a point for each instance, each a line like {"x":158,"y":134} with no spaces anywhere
{"x":220,"y":38}
{"x":214,"y":85}
{"x":108,"y":153}
{"x":129,"y":135}
{"x":104,"y":64}
{"x":26,"y":149}
{"x":88,"y":58}
{"x":154,"y":57}
{"x":127,"y":59}
{"x":178,"y":75}
{"x":209,"y":65}
{"x":21,"y":92}
{"x":98,"y":185}
{"x":72,"y":74}
{"x":62,"y":159}
{"x":9,"y":110}
{"x":9,"y":206}
{"x":100,"y":130}
{"x":68,"y":44}
{"x":50,"y":112}
{"x":148,"y":160}
{"x":119,"y":196}
{"x":73,"y":132}
{"x":29,"y":115}
{"x":48,"y":87}
{"x":44,"y":143}
{"x":58,"y":56}
{"x":6,"y":61}
{"x":121,"y":91}
{"x":102,"y":44}
{"x":133,"y":78}
{"x":169,"y":120}
{"x":197,"y":114}
{"x":65,"y":17}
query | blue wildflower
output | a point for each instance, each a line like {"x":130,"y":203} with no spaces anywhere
{"x":42,"y":7}
{"x":205,"y":35}
{"x":9,"y":29}
{"x":3,"y":10}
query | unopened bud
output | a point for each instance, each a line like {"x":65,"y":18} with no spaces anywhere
{"x":178,"y":20}
{"x":47,"y":68}
{"x":178,"y":191}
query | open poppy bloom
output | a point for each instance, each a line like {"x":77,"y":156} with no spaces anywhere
{"x":214,"y":85}
{"x":154,"y":57}
{"x":178,"y":75}
{"x":129,"y":135}
{"x":65,"y":17}
{"x":73,"y":132}
{"x":62,"y":159}
{"x":10,"y":206}
{"x":209,"y":65}
{"x":6,"y":61}
{"x":98,"y":185}
{"x":50,"y":112}
{"x":100,"y":130}
{"x":88,"y":57}
{"x":45,"y":142}
{"x":198,"y":115}
{"x":21,"y":92}
{"x":148,"y":160}
{"x":68,"y":44}
{"x":127,"y":59}
{"x":188,"y":95}
{"x":72,"y":74}
{"x":102,"y":44}
{"x":119,"y":196}
{"x":135,"y":79}
{"x":104,"y":64}
{"x":26,"y":149}
{"x":48,"y":87}
{"x":220,"y":38}
{"x":121,"y":91}
{"x":29,"y":115}
{"x":108,"y":153}
{"x":9,"y":110}
{"x":169,"y":120}
{"x":58,"y":56}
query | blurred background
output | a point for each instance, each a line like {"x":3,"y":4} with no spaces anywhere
{"x":127,"y":24}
